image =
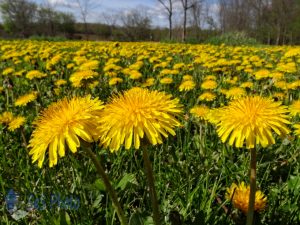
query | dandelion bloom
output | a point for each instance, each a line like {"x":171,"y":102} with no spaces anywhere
{"x":16,"y":123}
{"x":115,"y":80}
{"x":297,"y":131}
{"x":166,"y":80}
{"x":25,"y":99}
{"x":247,"y":84}
{"x":209,"y":84}
{"x":207,"y":96}
{"x":60,"y":82}
{"x":64,"y":121}
{"x":235,"y":92}
{"x":250,"y":119}
{"x":128,"y":117}
{"x":77,"y":77}
{"x":187,"y":85}
{"x":295,"y":108}
{"x":200,"y":111}
{"x":239,"y":195}
{"x":149,"y":82}
{"x":35,"y":74}
{"x":6,"y":117}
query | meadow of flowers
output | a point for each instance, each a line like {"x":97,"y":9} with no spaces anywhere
{"x":149,"y":133}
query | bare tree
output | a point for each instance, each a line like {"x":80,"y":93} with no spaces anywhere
{"x":186,"y":5}
{"x":18,"y":16}
{"x":168,"y":6}
{"x":137,"y":25}
{"x":84,"y":7}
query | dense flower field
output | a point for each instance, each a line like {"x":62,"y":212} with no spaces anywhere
{"x":172,"y":130}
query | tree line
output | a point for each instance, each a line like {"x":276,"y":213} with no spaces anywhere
{"x":267,"y":21}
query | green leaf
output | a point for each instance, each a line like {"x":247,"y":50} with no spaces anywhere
{"x":65,"y":219}
{"x":99,"y":184}
{"x":128,"y":178}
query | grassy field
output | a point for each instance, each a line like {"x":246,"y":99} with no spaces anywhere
{"x":193,"y":169}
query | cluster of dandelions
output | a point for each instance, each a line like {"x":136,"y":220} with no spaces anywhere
{"x":249,"y":122}
{"x":125,"y":120}
{"x":139,"y":115}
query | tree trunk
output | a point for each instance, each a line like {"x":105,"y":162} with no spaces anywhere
{"x":184,"y":26}
{"x":170,"y":26}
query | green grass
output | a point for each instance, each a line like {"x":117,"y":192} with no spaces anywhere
{"x":192,"y":171}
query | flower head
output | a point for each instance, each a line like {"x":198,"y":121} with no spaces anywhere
{"x":209,"y":84}
{"x":297,"y":129}
{"x":187,"y":85}
{"x":25,"y":99}
{"x":207,"y":96}
{"x":235,"y":92}
{"x":295,"y":108}
{"x":200,"y":111}
{"x":136,"y":114}
{"x":35,"y":74}
{"x":77,"y":77}
{"x":64,"y":121}
{"x":250,"y":120}
{"x":16,"y":123}
{"x":239,"y":195}
{"x":6,"y":117}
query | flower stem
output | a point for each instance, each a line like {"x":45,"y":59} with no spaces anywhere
{"x":23,"y":136}
{"x":150,"y":178}
{"x":108,"y":186}
{"x":251,"y":205}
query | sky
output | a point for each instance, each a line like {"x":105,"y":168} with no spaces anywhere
{"x":99,"y":8}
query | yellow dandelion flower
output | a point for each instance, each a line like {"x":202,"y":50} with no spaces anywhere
{"x":207,"y":96}
{"x":295,"y":108}
{"x":210,"y":77}
{"x":261,"y":74}
{"x":1,"y":89}
{"x":235,"y":92}
{"x":136,"y":114}
{"x":281,"y":84}
{"x":64,"y":121}
{"x":90,"y":65}
{"x":25,"y":99}
{"x":20,"y":72}
{"x":60,"y":82}
{"x":35,"y":74}
{"x":239,"y":195}
{"x":77,"y":77}
{"x":134,"y":74}
{"x":115,"y":80}
{"x":251,"y":120}
{"x":187,"y":77}
{"x":209,"y":84}
{"x":8,"y":71}
{"x":149,"y":82}
{"x":247,"y":84}
{"x":187,"y":85}
{"x":297,"y":129}
{"x":200,"y":111}
{"x":6,"y":117}
{"x":16,"y":122}
{"x":166,"y":80}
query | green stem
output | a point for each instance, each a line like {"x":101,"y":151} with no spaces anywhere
{"x":150,"y":178}
{"x":108,"y":186}
{"x":23,"y":136}
{"x":7,"y":98}
{"x":251,"y":205}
